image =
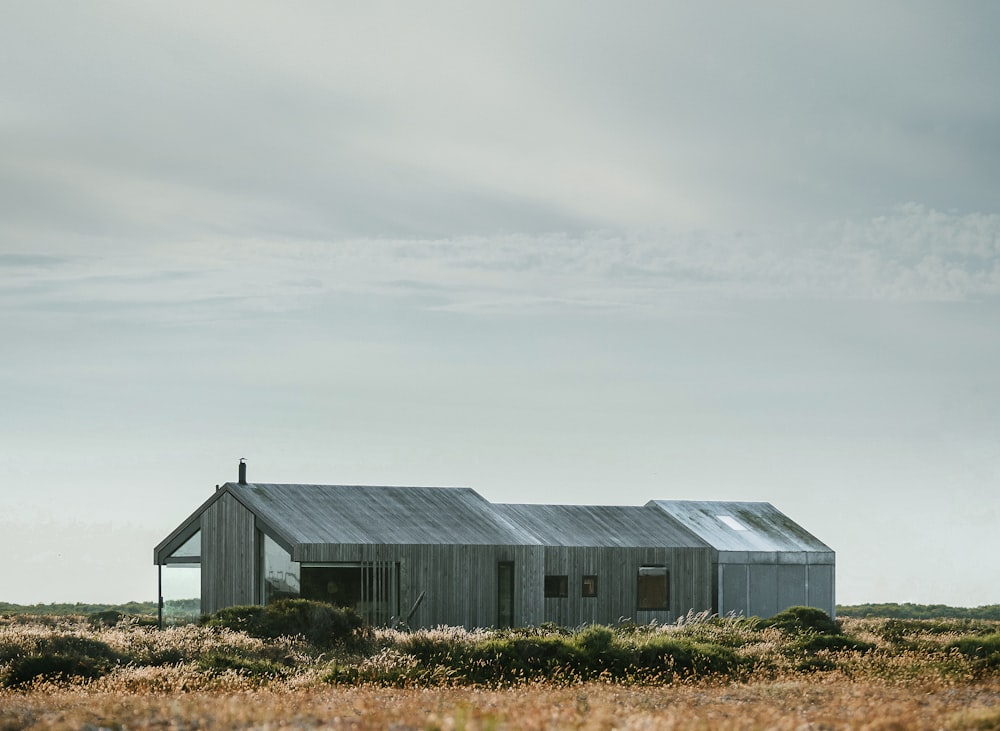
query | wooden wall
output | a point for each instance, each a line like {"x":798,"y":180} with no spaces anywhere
{"x":617,"y":572}
{"x":228,"y":555}
{"x":459,"y":583}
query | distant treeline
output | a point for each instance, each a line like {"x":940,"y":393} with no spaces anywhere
{"x":131,"y":608}
{"x":918,"y":611}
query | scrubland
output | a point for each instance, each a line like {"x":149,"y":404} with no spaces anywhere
{"x":802,"y":672}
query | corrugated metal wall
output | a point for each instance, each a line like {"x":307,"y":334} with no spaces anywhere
{"x":762,"y":584}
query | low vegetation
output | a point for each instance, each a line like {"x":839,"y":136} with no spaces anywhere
{"x":796,"y":668}
{"x":919,"y":611}
{"x":311,"y":643}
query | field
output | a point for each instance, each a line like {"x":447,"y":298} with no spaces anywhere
{"x":815,"y":703}
{"x":703,"y":673}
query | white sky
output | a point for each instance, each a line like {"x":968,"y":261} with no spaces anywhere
{"x":561,"y":252}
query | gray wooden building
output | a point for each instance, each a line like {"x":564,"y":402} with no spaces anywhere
{"x":446,"y":556}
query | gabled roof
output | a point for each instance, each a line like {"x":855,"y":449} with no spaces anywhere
{"x":352,"y":514}
{"x":741,"y":526}
{"x":600,"y":525}
{"x":375,"y":515}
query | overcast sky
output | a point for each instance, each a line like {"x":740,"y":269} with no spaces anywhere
{"x":558,"y":252}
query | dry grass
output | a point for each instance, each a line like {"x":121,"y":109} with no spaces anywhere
{"x":908,"y":678}
{"x":821,"y":702}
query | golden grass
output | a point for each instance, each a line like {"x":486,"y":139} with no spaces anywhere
{"x":818,"y":702}
{"x":909,"y":679}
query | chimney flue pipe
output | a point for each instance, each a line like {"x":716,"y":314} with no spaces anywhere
{"x":243,"y":470}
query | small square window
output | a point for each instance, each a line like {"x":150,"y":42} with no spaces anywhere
{"x":556,"y":586}
{"x":589,"y":586}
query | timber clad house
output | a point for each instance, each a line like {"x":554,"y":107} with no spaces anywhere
{"x":428,"y":556}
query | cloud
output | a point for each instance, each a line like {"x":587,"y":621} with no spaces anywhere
{"x":30,"y":260}
{"x":912,"y":253}
{"x":152,"y":122}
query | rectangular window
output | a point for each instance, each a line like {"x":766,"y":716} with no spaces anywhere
{"x":654,"y":587}
{"x":589,"y":586}
{"x":280,"y":575}
{"x":371,"y":588}
{"x":180,"y":583}
{"x":556,"y":586}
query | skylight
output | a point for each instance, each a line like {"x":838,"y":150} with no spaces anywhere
{"x":731,"y":522}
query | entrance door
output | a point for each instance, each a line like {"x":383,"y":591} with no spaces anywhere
{"x":505,"y":594}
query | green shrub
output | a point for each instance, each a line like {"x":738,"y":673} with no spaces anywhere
{"x":76,"y":646}
{"x":679,"y":656}
{"x":216,"y":663}
{"x":324,"y":625}
{"x":594,"y":639}
{"x":240,"y":619}
{"x":106,"y":618}
{"x":799,"y":619}
{"x":435,"y":650}
{"x":26,"y":669}
{"x":523,"y":658}
{"x":813,"y":643}
{"x":985,"y":650}
{"x":814,"y":663}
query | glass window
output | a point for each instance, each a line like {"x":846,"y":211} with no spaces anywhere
{"x":279,"y":573}
{"x":589,"y":586}
{"x":654,"y":587}
{"x":556,"y":586}
{"x":187,"y":552}
{"x":180,"y":592}
{"x":180,"y":583}
{"x":371,"y":590}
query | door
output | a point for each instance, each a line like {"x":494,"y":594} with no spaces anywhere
{"x":505,"y":594}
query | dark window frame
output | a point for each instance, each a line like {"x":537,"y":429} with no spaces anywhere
{"x":653,"y":584}
{"x":556,"y":586}
{"x":588,"y":586}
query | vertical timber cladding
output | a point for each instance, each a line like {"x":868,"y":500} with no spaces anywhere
{"x":617,"y":570}
{"x":459,"y":584}
{"x":228,"y":555}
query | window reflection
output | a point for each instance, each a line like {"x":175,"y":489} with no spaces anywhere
{"x":281,"y":575}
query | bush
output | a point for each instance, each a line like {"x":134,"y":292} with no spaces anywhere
{"x":324,"y":625}
{"x":800,"y":619}
{"x":813,"y":643}
{"x":219,"y":662}
{"x":106,"y":618}
{"x":684,"y":657}
{"x":595,"y":639}
{"x":985,"y":651}
{"x":26,"y":669}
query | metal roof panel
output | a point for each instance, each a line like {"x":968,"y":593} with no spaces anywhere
{"x":741,"y":526}
{"x":600,"y":525}
{"x":378,"y":515}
